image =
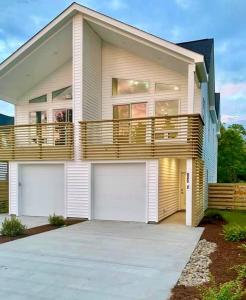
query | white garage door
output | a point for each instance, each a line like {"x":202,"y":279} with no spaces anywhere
{"x":41,"y":190}
{"x":118,"y":192}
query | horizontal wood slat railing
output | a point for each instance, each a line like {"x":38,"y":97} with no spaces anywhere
{"x":4,"y":196}
{"x":153,"y":137}
{"x":227,"y":196}
{"x":48,"y":141}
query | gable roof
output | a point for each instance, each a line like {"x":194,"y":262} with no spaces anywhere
{"x":204,"y":47}
{"x":74,"y":8}
{"x":6,"y":120}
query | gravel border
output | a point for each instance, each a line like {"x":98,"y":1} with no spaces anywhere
{"x":196,"y":272}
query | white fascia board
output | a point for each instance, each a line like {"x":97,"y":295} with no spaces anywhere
{"x":117,"y":25}
{"x":95,"y":16}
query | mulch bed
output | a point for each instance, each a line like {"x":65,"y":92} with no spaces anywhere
{"x":227,"y":255}
{"x":37,"y":230}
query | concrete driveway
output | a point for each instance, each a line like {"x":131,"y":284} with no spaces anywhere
{"x":97,"y":260}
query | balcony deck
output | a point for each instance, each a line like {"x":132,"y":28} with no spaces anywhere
{"x":142,"y":138}
{"x":51,"y":141}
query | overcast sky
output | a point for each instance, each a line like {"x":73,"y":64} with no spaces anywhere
{"x":174,"y":20}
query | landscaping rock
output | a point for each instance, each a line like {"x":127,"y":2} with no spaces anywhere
{"x":196,"y":271}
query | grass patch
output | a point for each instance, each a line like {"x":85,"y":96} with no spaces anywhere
{"x":232,"y":217}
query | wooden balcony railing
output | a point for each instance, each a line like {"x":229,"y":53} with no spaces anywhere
{"x":141,"y":138}
{"x":51,"y":141}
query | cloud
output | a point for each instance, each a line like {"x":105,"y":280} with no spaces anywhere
{"x":117,"y":4}
{"x":234,"y":90}
{"x":38,"y":20}
{"x":6,"y":108}
{"x":8,"y":46}
{"x":184,"y":4}
{"x":230,"y":119}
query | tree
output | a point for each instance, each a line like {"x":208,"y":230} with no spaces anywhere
{"x":232,"y":154}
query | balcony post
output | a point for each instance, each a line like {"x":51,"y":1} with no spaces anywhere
{"x":191,"y":87}
{"x":77,"y":81}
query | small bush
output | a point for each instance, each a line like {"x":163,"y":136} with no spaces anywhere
{"x":234,"y":233}
{"x":232,"y":290}
{"x":12,"y":227}
{"x":56,"y":220}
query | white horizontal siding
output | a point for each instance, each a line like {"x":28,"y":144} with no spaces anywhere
{"x":119,"y":63}
{"x":168,"y":187}
{"x":13,"y":188}
{"x":92,"y":74}
{"x":78,"y":189}
{"x":152,"y":184}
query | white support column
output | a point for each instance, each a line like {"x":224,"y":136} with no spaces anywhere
{"x":191,"y":88}
{"x":77,"y":80}
{"x":189,"y":192}
{"x":190,"y":110}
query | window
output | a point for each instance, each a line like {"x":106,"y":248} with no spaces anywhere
{"x":133,"y":131}
{"x":167,"y":128}
{"x":166,"y":108}
{"x":128,"y":86}
{"x":63,"y":115}
{"x":163,"y":87}
{"x":39,"y":99}
{"x":38,"y":117}
{"x":62,"y":94}
{"x":125,"y":111}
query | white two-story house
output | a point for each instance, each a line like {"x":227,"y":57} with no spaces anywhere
{"x":111,"y":122}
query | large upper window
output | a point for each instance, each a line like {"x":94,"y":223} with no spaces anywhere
{"x":39,"y":99}
{"x":166,"y":108}
{"x":129,"y":86}
{"x":62,"y":94}
{"x":163,"y":87}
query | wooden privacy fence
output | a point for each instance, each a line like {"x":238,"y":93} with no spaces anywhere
{"x":4,"y":187}
{"x":227,"y":196}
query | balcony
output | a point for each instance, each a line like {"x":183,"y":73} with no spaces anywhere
{"x":51,"y":141}
{"x":142,"y":138}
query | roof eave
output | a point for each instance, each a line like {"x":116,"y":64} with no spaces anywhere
{"x":60,"y":20}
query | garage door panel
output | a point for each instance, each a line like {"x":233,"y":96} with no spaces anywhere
{"x":119,"y":192}
{"x":42,"y":190}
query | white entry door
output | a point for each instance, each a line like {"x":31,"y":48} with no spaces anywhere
{"x":119,"y":192}
{"x":41,"y":190}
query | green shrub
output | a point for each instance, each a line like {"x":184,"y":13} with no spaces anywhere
{"x":234,"y":232}
{"x":12,"y":227}
{"x":232,"y":290}
{"x":56,"y":220}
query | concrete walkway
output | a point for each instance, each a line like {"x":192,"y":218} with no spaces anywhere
{"x":30,"y":222}
{"x":98,"y":260}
